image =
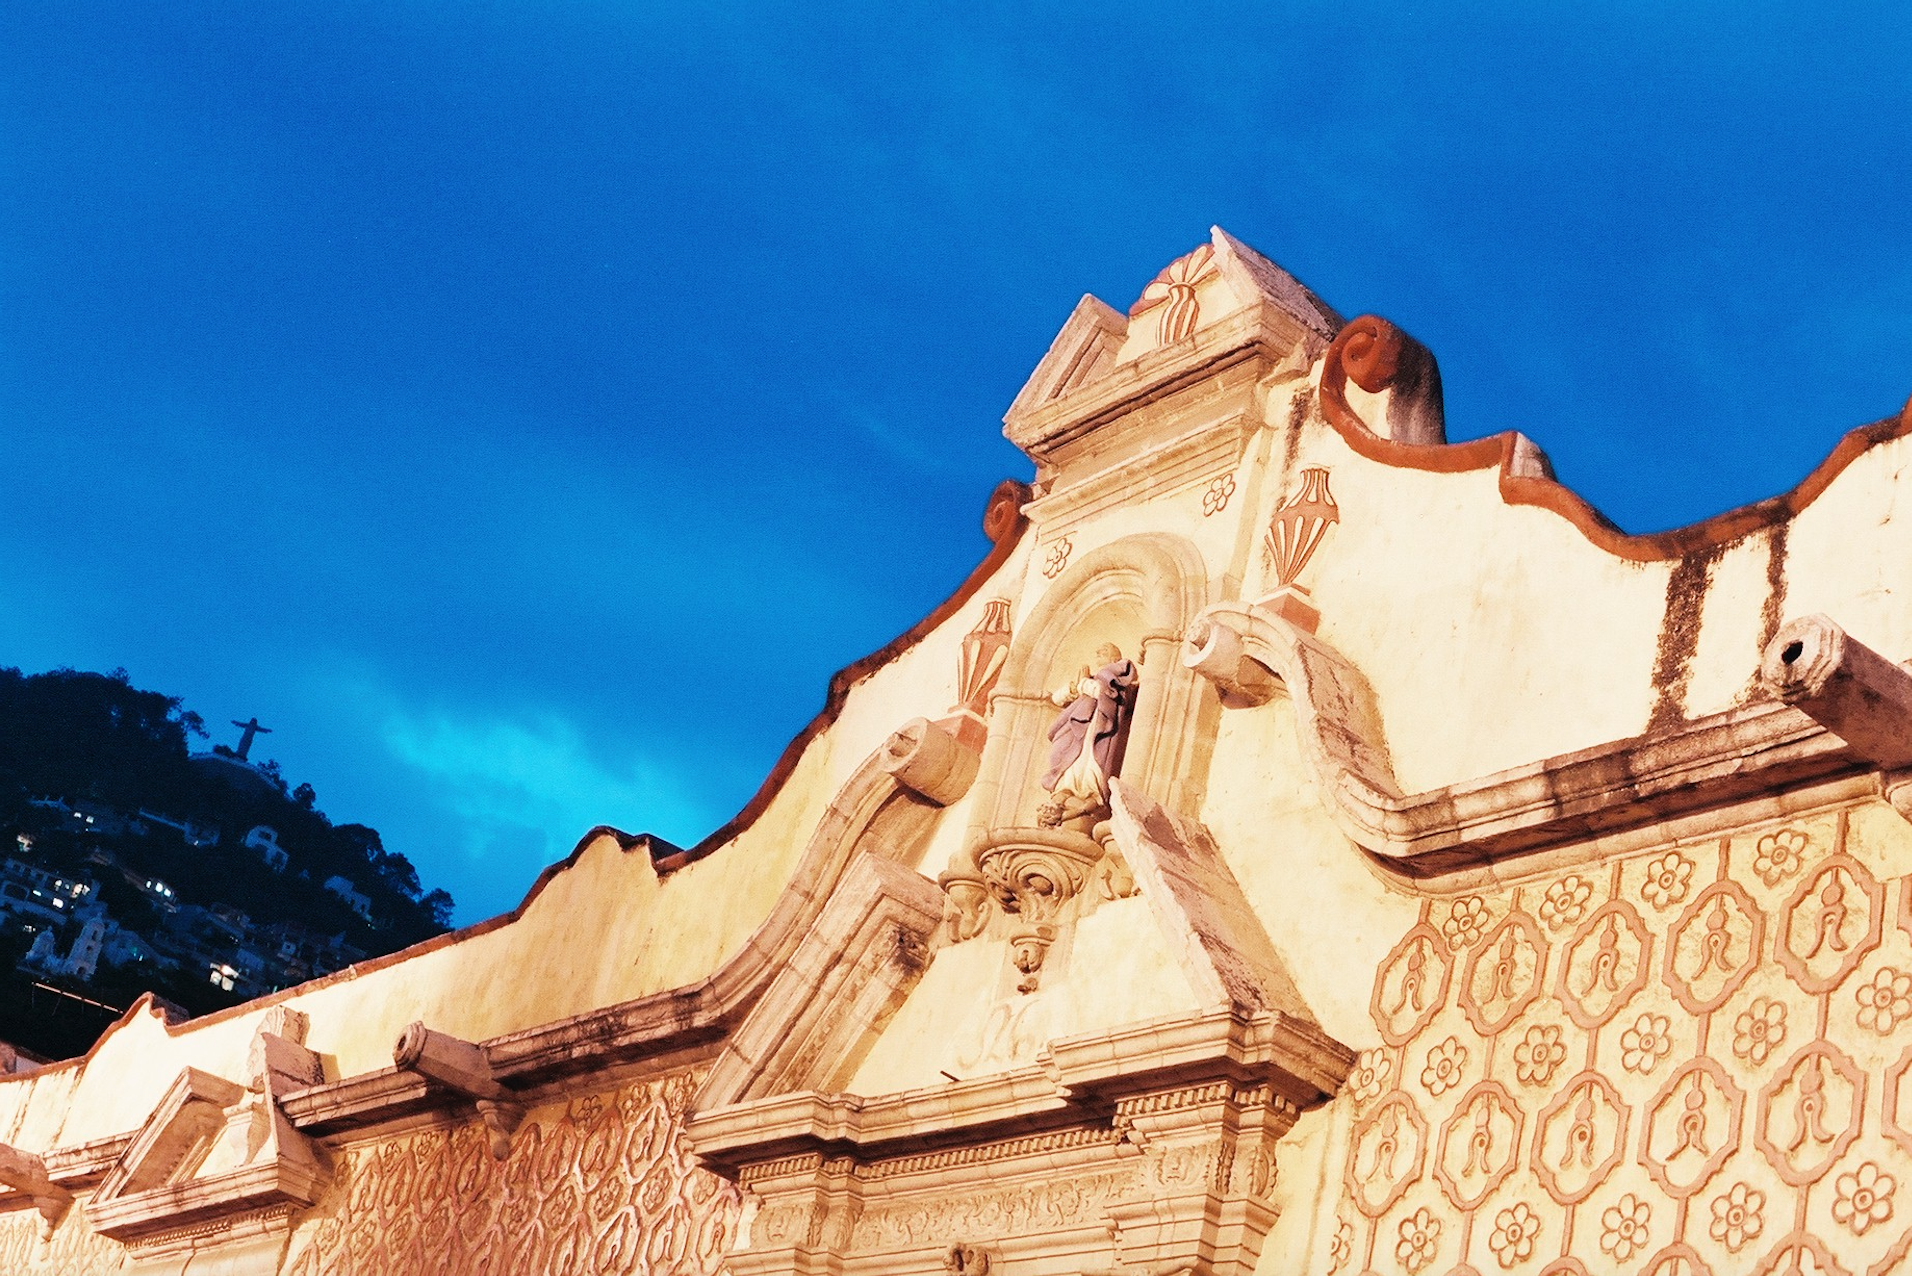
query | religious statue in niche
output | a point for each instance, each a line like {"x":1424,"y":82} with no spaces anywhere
{"x":1087,"y":740}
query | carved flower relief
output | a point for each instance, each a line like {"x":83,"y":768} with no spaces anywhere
{"x":1738,"y":1216}
{"x":1759,"y":1030}
{"x":1566,"y":901}
{"x":1539,"y":1054}
{"x":1215,"y":499}
{"x":1373,"y":1070}
{"x":1341,"y":1246}
{"x":1646,"y":1043}
{"x":1057,"y":557}
{"x":1444,"y":1064}
{"x":1864,"y":1198}
{"x":1466,"y":923}
{"x":1885,"y":1001}
{"x":1515,"y":1229}
{"x":1623,"y":1227}
{"x":1667,"y":880}
{"x":1420,"y":1239}
{"x":1779,"y":855}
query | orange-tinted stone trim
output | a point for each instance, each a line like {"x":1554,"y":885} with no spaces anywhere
{"x":1370,"y":350}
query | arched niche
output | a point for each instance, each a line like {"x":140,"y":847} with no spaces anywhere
{"x":1141,"y":593}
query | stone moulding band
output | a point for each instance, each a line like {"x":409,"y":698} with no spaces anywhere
{"x":1251,"y":654}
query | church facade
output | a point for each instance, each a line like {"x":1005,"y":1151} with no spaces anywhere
{"x":1302,"y":846}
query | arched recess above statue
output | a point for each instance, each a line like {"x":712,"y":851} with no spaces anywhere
{"x":1140,"y":593}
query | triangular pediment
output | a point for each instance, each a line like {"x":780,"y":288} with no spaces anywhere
{"x":1084,"y":350}
{"x":1221,"y":293}
{"x":215,"y":1149}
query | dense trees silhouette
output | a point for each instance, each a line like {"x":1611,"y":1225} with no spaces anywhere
{"x":102,"y":744}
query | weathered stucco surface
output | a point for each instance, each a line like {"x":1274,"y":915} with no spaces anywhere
{"x":1465,"y":900}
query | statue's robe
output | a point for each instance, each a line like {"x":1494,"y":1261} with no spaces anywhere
{"x":1087,"y":739}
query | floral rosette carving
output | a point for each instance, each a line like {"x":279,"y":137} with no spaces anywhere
{"x":1623,"y":1227}
{"x":1373,"y":1071}
{"x":1341,"y":1247}
{"x":1646,"y":1043}
{"x":1516,"y":1228}
{"x":1779,"y":855}
{"x":1057,"y":556}
{"x":1444,"y":1064}
{"x":1215,"y":498}
{"x":1668,"y":879}
{"x":1539,"y":1054}
{"x":1759,"y":1030}
{"x":1863,"y":1198}
{"x":1885,"y":1000}
{"x":1420,"y":1236}
{"x":1465,"y":923}
{"x":1566,"y":901}
{"x":1738,"y":1216}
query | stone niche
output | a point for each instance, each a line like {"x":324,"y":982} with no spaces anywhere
{"x":1139,"y":593}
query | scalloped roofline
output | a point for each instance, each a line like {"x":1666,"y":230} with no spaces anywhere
{"x":1350,"y":355}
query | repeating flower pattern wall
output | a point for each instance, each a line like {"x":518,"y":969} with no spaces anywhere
{"x":604,"y":1184}
{"x":1692,"y":1061}
{"x":74,"y":1250}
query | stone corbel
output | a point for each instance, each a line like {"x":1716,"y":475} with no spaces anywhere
{"x":1852,"y":691}
{"x":27,"y":1173}
{"x":465,"y":1069}
{"x":1031,"y":876}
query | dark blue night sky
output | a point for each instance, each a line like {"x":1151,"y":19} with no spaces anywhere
{"x":523,"y":408}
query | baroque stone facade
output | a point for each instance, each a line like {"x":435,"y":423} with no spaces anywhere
{"x":1302,"y":846}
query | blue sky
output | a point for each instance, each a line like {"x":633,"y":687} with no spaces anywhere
{"x":523,"y":408}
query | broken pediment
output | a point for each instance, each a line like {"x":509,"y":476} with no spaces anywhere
{"x":218,"y":1162}
{"x":1157,"y":1067}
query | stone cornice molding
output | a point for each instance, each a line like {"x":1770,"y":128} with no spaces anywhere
{"x":1251,"y":654}
{"x":1074,"y":1079}
{"x":871,"y":811}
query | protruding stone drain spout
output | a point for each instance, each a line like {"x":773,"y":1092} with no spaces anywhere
{"x":1845,"y":686}
{"x":464,"y":1068}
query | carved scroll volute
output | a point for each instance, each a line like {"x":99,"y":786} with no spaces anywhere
{"x":926,"y":759}
{"x":24,"y":1172}
{"x":967,"y":898}
{"x":1218,"y":654}
{"x":464,"y":1068}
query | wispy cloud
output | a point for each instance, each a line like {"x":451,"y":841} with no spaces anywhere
{"x":482,"y":798}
